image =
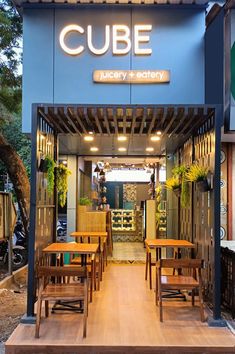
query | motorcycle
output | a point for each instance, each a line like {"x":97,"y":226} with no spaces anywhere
{"x":61,"y":229}
{"x":19,"y":248}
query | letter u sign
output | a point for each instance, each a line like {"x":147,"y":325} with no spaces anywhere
{"x":120,"y":35}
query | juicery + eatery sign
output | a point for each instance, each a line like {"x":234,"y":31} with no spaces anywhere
{"x":118,"y":37}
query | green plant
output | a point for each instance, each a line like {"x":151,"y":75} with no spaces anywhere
{"x":85,"y":201}
{"x":62,"y":173}
{"x":179,"y":171}
{"x":173,"y":183}
{"x":185,"y":194}
{"x":196,"y":173}
{"x":50,"y":164}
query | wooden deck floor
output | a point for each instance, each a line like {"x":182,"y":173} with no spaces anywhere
{"x":123,"y":319}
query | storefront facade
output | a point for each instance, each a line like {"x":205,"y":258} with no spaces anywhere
{"x":89,"y":63}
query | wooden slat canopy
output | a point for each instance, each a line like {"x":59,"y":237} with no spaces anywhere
{"x":137,"y":123}
{"x":130,"y":120}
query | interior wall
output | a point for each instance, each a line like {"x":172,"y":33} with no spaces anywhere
{"x":141,"y":193}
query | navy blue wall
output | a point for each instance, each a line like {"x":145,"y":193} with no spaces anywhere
{"x":214,"y":61}
{"x":52,"y":76}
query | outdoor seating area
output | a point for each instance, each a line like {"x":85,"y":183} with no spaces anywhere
{"x":123,"y":317}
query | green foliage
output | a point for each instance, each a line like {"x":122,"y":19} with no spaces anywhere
{"x":50,"y":164}
{"x":62,"y":173}
{"x":179,"y":171}
{"x":185,"y":194}
{"x":85,"y":201}
{"x":12,"y":131}
{"x":196,"y":173}
{"x":173,"y":183}
{"x":10,"y":58}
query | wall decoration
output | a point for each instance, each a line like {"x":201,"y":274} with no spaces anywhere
{"x":222,"y":183}
{"x":223,"y":209}
{"x":222,"y":156}
{"x":129,"y":192}
{"x":224,"y":191}
{"x":222,"y":233}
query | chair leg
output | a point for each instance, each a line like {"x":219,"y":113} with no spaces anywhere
{"x":85,"y":310}
{"x":156,"y":292}
{"x":150,"y":271}
{"x":38,"y":318}
{"x":160,"y":300}
{"x":146,"y":266}
{"x":193,"y":295}
{"x":201,"y":304}
{"x":46,"y":308}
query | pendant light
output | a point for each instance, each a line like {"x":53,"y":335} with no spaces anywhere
{"x":97,"y":169}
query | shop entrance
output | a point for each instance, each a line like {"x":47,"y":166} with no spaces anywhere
{"x":188,"y":134}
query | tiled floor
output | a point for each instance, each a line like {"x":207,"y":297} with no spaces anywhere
{"x":128,"y":252}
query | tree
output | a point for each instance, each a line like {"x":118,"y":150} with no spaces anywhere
{"x":10,"y":102}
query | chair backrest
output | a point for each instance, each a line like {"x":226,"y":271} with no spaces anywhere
{"x":181,"y":263}
{"x":49,"y":271}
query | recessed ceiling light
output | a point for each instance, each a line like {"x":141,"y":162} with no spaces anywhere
{"x":159,"y":132}
{"x":155,"y":138}
{"x":122,"y":138}
{"x":122,"y":149}
{"x":90,"y":132}
{"x":88,"y":138}
{"x":149,"y":149}
{"x":94,"y":149}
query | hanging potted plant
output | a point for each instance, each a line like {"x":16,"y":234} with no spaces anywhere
{"x":62,"y":173}
{"x":180,"y":172}
{"x":174,"y":184}
{"x":49,"y":166}
{"x":199,"y":174}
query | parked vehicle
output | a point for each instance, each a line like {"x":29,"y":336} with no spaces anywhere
{"x":19,"y":248}
{"x":61,"y":229}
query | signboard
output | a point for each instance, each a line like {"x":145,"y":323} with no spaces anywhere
{"x":131,"y":76}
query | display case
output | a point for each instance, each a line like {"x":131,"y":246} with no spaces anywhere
{"x":123,"y":220}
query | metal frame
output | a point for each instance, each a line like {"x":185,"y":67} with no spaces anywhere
{"x":33,"y":201}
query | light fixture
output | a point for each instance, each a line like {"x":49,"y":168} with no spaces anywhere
{"x":88,"y":138}
{"x":122,"y":149}
{"x":149,"y":149}
{"x":64,"y":162}
{"x":102,"y":173}
{"x":90,"y":132}
{"x":97,"y":169}
{"x":42,"y":136}
{"x":94,"y":149}
{"x":159,"y":132}
{"x":155,"y":138}
{"x":122,"y":138}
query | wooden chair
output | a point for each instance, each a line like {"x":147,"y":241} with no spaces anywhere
{"x":149,"y":263}
{"x":49,"y":291}
{"x":179,"y":282}
{"x":94,"y":269}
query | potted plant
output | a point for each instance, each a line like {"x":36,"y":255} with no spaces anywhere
{"x":85,"y":201}
{"x":62,"y":173}
{"x":180,"y":172}
{"x":198,"y":174}
{"x":49,"y":166}
{"x":173,"y":183}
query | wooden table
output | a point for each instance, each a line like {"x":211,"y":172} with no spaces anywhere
{"x":100,"y":235}
{"x":72,"y":247}
{"x":158,"y":244}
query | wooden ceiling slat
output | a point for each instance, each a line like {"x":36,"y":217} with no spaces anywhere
{"x":88,"y":113}
{"x":78,"y":114}
{"x":106,"y":121}
{"x":180,"y":123}
{"x":49,"y":118}
{"x":143,"y":121}
{"x":124,"y":121}
{"x":173,"y":116}
{"x":98,"y":116}
{"x":191,"y":115}
{"x":115,"y":120}
{"x":133,"y":122}
{"x":62,"y":118}
{"x":71,"y":119}
{"x":152,"y":123}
